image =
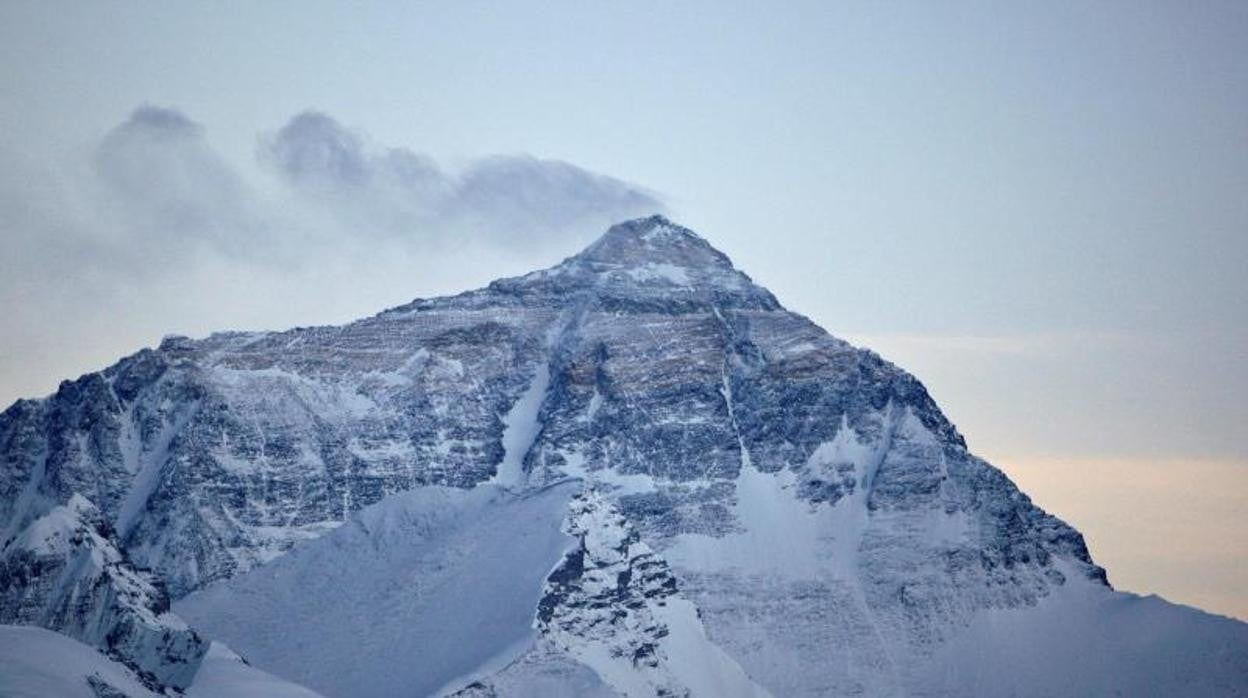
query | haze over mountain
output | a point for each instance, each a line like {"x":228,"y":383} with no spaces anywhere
{"x":633,"y":473}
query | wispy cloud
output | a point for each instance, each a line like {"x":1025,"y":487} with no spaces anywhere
{"x":163,"y":190}
{"x":154,"y":195}
{"x":509,"y":199}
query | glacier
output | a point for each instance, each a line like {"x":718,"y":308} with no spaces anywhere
{"x":633,"y":473}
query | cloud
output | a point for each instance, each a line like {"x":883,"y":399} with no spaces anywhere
{"x":155,"y":197}
{"x":527,"y":195}
{"x":511,"y":199}
{"x":313,"y":150}
{"x":159,"y":182}
{"x":152,"y":122}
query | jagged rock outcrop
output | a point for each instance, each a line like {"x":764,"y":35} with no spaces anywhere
{"x":610,"y":581}
{"x":614,"y":605}
{"x":63,"y":572}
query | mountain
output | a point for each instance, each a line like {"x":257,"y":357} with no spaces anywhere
{"x":633,"y":473}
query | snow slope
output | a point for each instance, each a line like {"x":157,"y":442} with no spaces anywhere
{"x":421,"y":592}
{"x":1091,"y":641}
{"x":39,"y":663}
{"x":223,"y":674}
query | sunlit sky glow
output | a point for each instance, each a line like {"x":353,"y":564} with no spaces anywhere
{"x":1040,"y":209}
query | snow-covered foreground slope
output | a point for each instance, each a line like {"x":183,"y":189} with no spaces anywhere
{"x":39,"y":663}
{"x":223,"y":674}
{"x":632,"y":472}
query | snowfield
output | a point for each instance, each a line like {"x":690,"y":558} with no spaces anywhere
{"x":419,"y":593}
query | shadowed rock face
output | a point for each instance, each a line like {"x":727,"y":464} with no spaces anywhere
{"x":708,"y":415}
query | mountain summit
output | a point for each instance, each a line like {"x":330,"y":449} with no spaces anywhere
{"x":653,"y":240}
{"x":648,"y":262}
{"x":633,"y":473}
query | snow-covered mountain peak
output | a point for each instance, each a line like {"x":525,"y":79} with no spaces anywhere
{"x":653,"y":241}
{"x":648,"y":264}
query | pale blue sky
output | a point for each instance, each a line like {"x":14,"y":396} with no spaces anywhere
{"x":1041,"y":209}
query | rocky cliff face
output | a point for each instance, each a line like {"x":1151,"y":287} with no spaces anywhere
{"x":64,"y":572}
{"x":804,"y":500}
